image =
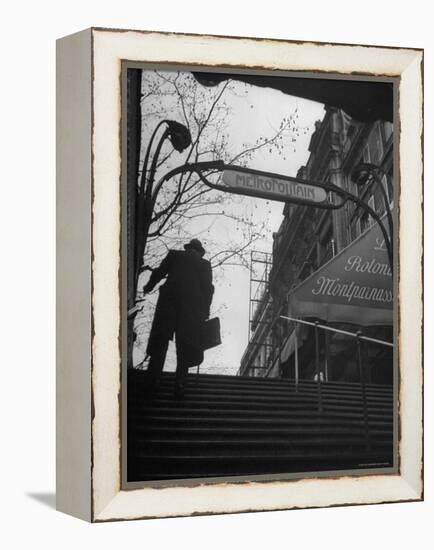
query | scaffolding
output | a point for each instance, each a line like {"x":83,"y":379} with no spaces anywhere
{"x":259,"y":292}
{"x":259,"y":301}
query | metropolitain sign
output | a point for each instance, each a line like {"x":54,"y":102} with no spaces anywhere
{"x":260,"y":184}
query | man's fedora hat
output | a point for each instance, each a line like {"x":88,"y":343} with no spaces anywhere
{"x":195,"y":244}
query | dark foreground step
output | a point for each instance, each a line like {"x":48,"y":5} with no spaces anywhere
{"x":222,"y":382}
{"x":144,"y":468}
{"x":214,"y":448}
{"x":217,"y":382}
{"x":228,"y":426}
{"x":277,"y":398}
{"x":251,"y":384}
{"x":259,"y":415}
{"x":161,"y":418}
{"x":295,"y":431}
{"x":261,"y":408}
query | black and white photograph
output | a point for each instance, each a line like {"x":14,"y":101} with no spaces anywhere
{"x":217,"y":235}
{"x":257,"y":275}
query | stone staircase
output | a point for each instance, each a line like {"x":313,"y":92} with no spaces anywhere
{"x":233,"y":426}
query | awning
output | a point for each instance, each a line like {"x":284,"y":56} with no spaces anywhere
{"x":353,"y":287}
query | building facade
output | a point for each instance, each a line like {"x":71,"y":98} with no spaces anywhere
{"x":309,"y":237}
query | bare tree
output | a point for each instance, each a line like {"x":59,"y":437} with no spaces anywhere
{"x":184,"y":206}
{"x":205,"y":112}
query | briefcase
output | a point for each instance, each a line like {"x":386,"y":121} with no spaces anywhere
{"x":211,"y":333}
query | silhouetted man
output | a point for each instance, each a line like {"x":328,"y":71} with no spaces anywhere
{"x":183,"y":306}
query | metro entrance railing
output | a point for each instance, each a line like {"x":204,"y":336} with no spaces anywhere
{"x":360,"y":339}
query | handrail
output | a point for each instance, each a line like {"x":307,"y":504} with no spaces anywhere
{"x":359,"y":341}
{"x":340,"y":331}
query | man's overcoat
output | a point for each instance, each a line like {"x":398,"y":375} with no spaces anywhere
{"x":183,"y":304}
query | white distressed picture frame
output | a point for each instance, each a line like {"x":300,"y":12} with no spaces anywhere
{"x":88,"y":267}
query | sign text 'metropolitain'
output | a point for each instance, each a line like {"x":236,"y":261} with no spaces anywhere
{"x":279,"y":189}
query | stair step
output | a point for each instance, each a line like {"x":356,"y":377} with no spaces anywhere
{"x":276,"y":447}
{"x":182,"y":465}
{"x":236,"y":381}
{"x":228,"y":433}
{"x":195,"y":475}
{"x":260,"y":397}
{"x":176,"y":467}
{"x":276,"y":385}
{"x":232,"y":426}
{"x":280,"y":387}
{"x":269,"y":415}
{"x":185,"y":460}
{"x":261,"y":408}
{"x":238,"y":431}
{"x":171,"y":472}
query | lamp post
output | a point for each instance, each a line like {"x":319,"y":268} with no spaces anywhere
{"x":180,"y":138}
{"x":365,"y":173}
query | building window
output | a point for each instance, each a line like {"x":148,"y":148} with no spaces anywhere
{"x":366,"y":219}
{"x":387,"y":130}
{"x":326,"y":247}
{"x":308,"y":266}
{"x":388,"y":186}
{"x":366,"y":153}
{"x":377,"y":150}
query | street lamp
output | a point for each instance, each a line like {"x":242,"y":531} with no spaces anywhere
{"x":364,"y":174}
{"x":180,"y":138}
{"x":179,"y":135}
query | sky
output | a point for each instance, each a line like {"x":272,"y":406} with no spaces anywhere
{"x":254,"y":112}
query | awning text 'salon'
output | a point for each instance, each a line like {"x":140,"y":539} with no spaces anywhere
{"x":354,"y":287}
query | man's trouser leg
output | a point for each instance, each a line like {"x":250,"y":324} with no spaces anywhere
{"x":181,"y":373}
{"x":156,"y":362}
{"x":181,"y":365}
